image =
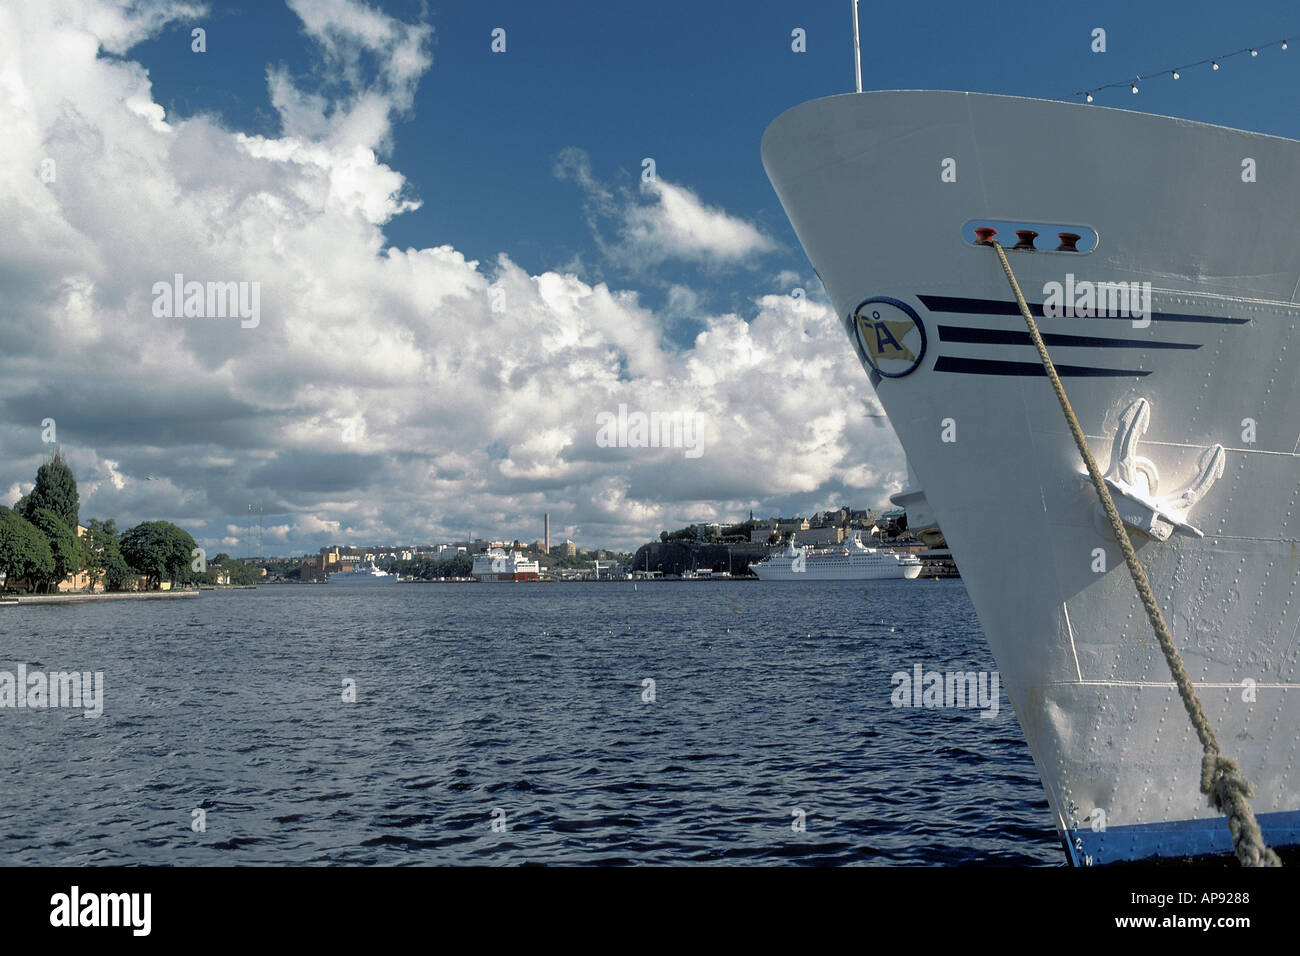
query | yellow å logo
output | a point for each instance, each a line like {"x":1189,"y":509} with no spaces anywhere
{"x":883,"y":337}
{"x":891,"y":336}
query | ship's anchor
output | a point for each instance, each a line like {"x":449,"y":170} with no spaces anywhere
{"x":1135,"y":483}
{"x":1222,"y":778}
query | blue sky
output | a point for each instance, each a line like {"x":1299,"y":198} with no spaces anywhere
{"x":388,"y":180}
{"x":694,"y":85}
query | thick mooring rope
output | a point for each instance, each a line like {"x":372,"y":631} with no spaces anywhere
{"x":1221,"y":778}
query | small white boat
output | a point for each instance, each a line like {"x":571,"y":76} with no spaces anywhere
{"x":363,"y":572}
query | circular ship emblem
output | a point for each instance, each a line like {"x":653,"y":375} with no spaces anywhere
{"x":890,"y":335}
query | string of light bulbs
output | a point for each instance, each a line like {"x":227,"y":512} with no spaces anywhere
{"x":1177,"y":71}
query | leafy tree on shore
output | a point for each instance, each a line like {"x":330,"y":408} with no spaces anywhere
{"x":103,"y":555}
{"x":739,"y":532}
{"x":24,"y":552}
{"x":65,"y":548}
{"x":39,"y":544}
{"x":237,"y":572}
{"x":427,"y":569}
{"x":56,"y":489}
{"x":159,"y":550}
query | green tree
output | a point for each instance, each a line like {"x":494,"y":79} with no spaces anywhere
{"x":159,"y":550}
{"x":103,"y":555}
{"x":24,"y":552}
{"x":244,"y":573}
{"x":65,"y":548}
{"x":56,"y":489}
{"x":237,"y":572}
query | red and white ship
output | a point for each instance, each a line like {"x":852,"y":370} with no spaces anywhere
{"x":495,"y":564}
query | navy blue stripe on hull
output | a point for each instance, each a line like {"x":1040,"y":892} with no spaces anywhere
{"x":1175,"y":839}
{"x":959,"y":305}
{"x":970,"y":366}
{"x":957,"y":333}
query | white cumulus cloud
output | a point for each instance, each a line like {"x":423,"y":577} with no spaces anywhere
{"x":386,"y":394}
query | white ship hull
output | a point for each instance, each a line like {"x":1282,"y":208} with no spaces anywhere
{"x":861,"y":178}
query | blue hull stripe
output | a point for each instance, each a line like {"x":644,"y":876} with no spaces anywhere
{"x":1175,"y":839}
{"x":957,"y":333}
{"x":957,"y":305}
{"x":970,"y":366}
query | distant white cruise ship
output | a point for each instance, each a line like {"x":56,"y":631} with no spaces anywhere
{"x":851,"y":561}
{"x":495,"y":564}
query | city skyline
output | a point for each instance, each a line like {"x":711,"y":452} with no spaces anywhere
{"x":814,"y":519}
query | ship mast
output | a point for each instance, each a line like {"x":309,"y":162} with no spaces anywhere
{"x":857,"y":48}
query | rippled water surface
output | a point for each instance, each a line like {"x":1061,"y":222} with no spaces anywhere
{"x":527,"y":699}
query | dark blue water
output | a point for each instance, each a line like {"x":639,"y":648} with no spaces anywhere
{"x":524,"y":699}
